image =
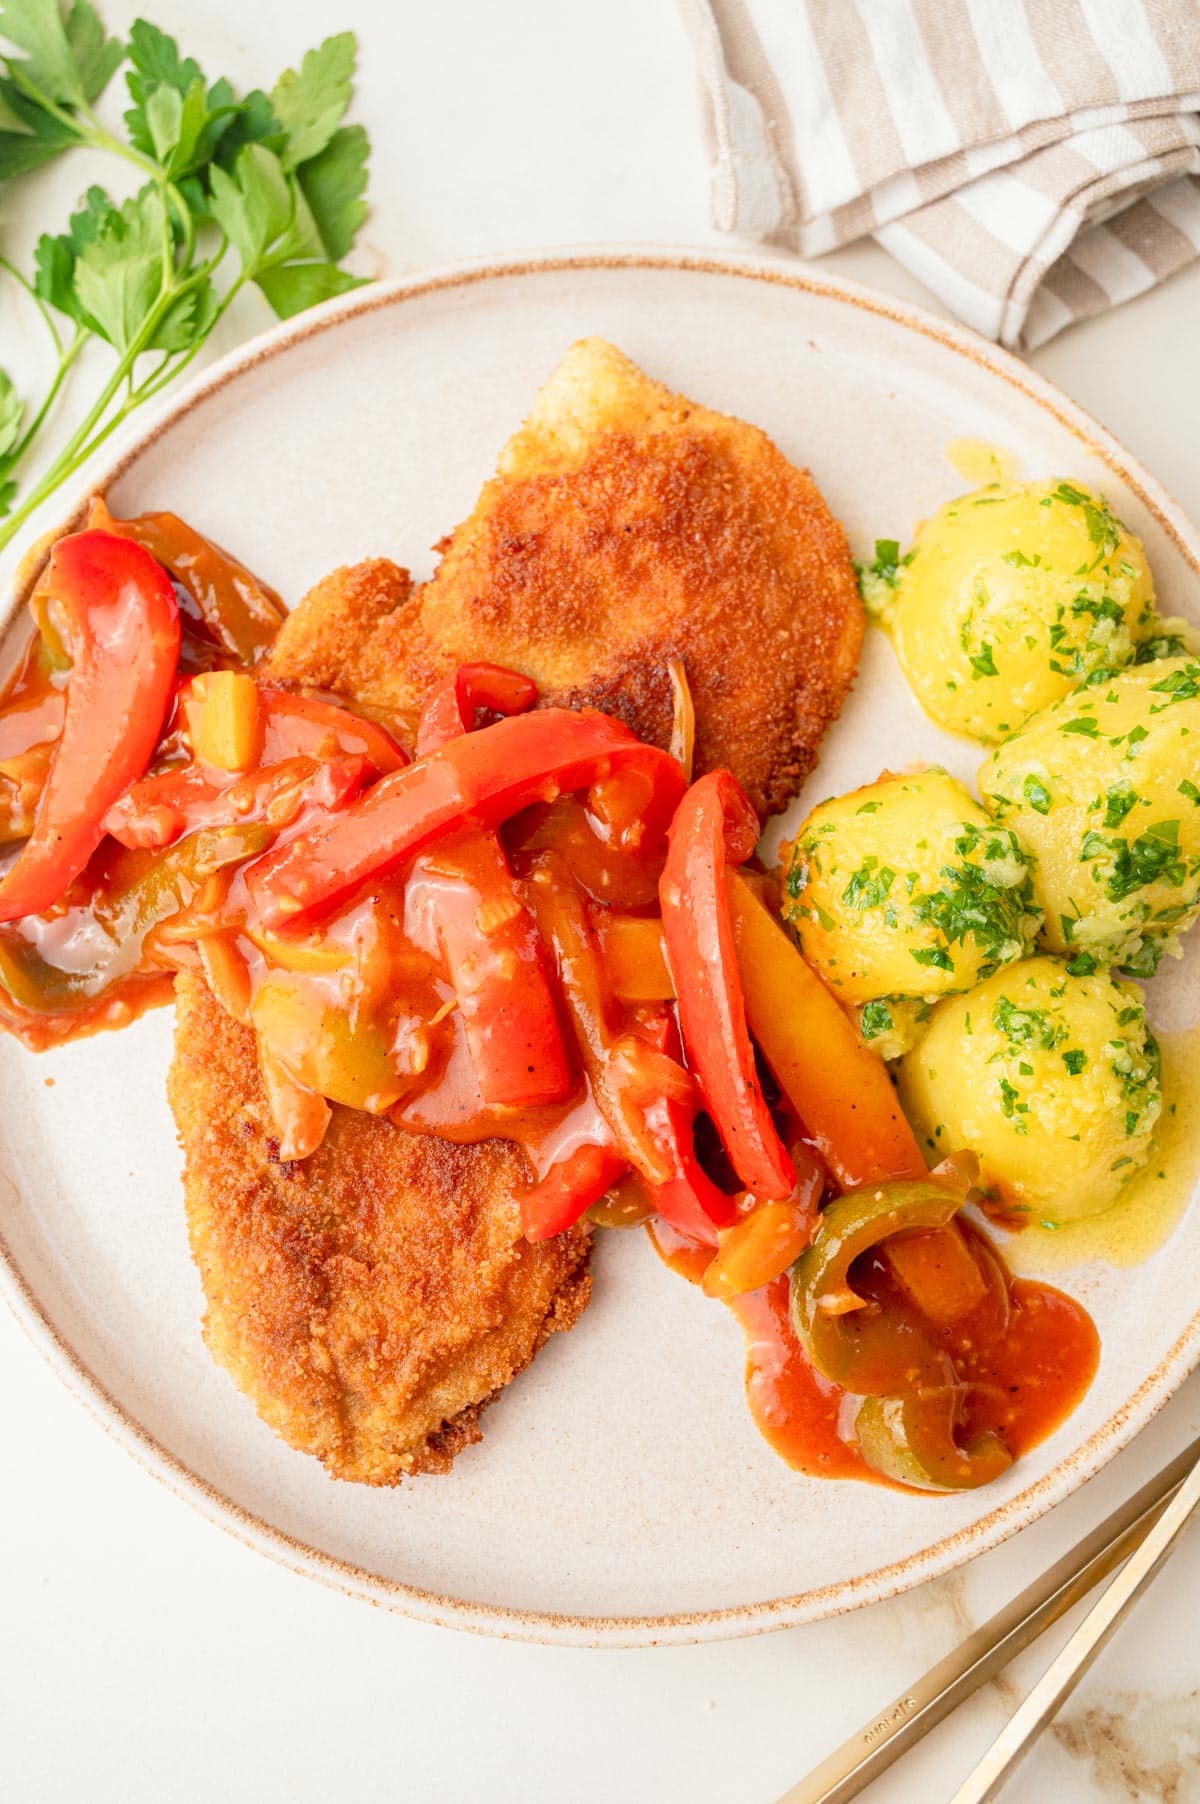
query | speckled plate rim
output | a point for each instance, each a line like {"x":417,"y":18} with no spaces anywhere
{"x":940,"y":1556}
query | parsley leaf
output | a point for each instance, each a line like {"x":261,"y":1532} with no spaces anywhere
{"x":334,"y":183}
{"x":67,"y":57}
{"x":309,"y":103}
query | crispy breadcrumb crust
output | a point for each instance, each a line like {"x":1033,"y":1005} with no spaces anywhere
{"x":374,"y":1298}
{"x":627,"y":527}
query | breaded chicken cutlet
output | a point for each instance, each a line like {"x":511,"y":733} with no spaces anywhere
{"x":373,"y":1299}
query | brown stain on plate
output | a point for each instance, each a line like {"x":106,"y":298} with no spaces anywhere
{"x":885,"y":1581}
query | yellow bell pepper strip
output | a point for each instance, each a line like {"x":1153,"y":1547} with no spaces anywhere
{"x":116,"y":610}
{"x":221,"y":714}
{"x":570,"y":1188}
{"x":486,"y":776}
{"x":237,"y":611}
{"x":340,"y":1056}
{"x":456,"y":704}
{"x":836,"y":1085}
{"x":635,"y":959}
{"x":715,"y":825}
{"x":648,"y":1101}
{"x":770,"y":1237}
{"x":911,"y":1439}
{"x":842,"y":1093}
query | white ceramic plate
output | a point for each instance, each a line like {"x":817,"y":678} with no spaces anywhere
{"x":621,"y":1493}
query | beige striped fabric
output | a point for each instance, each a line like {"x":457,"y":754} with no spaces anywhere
{"x":1030,"y":161}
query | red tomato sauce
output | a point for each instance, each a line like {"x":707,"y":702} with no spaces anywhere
{"x":1028,"y":1355}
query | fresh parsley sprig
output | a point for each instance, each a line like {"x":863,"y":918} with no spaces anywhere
{"x":265,"y":188}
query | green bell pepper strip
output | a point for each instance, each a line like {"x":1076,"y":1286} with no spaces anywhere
{"x":849,"y":1226}
{"x":911,"y":1439}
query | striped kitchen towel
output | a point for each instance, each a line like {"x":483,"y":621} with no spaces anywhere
{"x":1030,"y":161}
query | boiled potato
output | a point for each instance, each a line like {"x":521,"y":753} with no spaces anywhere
{"x":904,"y":891}
{"x":1009,"y":598}
{"x":1104,"y":789}
{"x":1051,"y":1079}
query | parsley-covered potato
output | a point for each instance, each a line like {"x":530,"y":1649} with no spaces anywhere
{"x":1009,"y":598}
{"x":1051,"y":1079}
{"x":904,"y":891}
{"x":1104,"y":789}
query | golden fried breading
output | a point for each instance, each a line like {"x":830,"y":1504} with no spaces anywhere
{"x":372,"y":1299}
{"x":626,"y":527}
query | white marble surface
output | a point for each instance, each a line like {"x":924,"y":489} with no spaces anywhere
{"x":146,"y":1657}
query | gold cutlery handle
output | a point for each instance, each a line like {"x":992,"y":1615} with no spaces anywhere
{"x":880,"y":1742}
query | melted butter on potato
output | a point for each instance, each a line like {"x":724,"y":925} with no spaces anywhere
{"x":1052,"y":1079}
{"x":1010,"y":597}
{"x":1104,"y":789}
{"x":905,"y":891}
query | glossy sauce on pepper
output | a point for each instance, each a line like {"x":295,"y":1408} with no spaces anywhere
{"x":79,"y":968}
{"x":1027,"y":1356}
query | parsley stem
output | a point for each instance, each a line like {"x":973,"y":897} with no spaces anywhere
{"x":91,"y":433}
{"x":37,"y":300}
{"x":66,"y":359}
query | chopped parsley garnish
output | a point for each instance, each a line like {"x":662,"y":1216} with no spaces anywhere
{"x":869,"y":886}
{"x":1180,"y":685}
{"x":1119,"y":799}
{"x":936,"y":956}
{"x":1037,"y":795}
{"x":876,"y":1019}
{"x":1082,"y":965}
{"x":1188,"y":788}
{"x":1074,"y":1060}
{"x":984,"y":664}
{"x":1027,"y":1026}
{"x":1153,"y":857}
{"x":1083,"y":725}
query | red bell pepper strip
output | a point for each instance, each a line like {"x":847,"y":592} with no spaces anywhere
{"x":715,"y":825}
{"x":646,"y":1097}
{"x":469,"y":907}
{"x":480,"y":921}
{"x":308,"y":727}
{"x":116,"y":610}
{"x":569,"y":1189}
{"x":453,"y":707}
{"x":299,"y":732}
{"x":162,"y":809}
{"x":486,"y":776}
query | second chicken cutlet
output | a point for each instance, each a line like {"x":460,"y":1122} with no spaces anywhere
{"x":372,"y":1299}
